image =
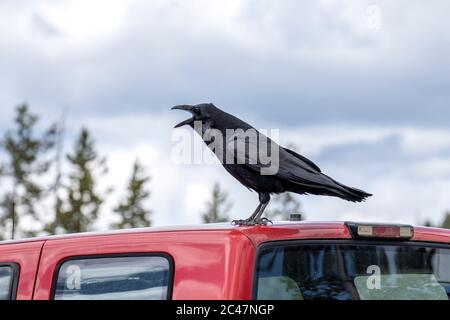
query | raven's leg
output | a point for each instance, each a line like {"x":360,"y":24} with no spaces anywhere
{"x":249,"y":220}
{"x":264,"y":199}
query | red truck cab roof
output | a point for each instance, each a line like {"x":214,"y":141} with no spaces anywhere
{"x":280,"y":230}
{"x":213,"y":261}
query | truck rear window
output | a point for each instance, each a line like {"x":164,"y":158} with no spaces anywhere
{"x":349,"y":270}
{"x":114,"y":278}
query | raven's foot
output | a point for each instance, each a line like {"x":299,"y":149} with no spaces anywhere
{"x":242,"y":222}
{"x":251,"y":222}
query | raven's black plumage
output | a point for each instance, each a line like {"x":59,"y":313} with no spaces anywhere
{"x":295,"y":174}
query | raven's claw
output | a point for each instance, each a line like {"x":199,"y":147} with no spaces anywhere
{"x":252,"y":222}
{"x":241,"y":222}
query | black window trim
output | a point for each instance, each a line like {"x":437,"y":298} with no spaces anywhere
{"x":165,"y":255}
{"x":15,"y":278}
{"x":294,"y":242}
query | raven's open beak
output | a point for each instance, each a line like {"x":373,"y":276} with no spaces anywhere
{"x":185,"y":107}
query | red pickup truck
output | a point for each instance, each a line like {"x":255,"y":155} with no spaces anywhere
{"x":292,"y":260}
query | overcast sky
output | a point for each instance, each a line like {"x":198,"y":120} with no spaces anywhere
{"x":361,"y":88}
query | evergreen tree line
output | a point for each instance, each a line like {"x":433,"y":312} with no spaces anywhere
{"x":445,"y":223}
{"x":35,"y":191}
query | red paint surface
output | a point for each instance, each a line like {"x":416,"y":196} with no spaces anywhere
{"x":26,"y":255}
{"x":207,"y":263}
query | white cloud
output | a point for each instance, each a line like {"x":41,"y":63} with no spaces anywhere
{"x":316,"y":60}
{"x":414,"y":141}
{"x":433,"y":167}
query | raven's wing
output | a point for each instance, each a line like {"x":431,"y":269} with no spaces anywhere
{"x":312,"y":164}
{"x":246,"y":149}
{"x":292,"y":168}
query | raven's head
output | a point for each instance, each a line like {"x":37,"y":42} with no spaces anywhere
{"x":203,"y":112}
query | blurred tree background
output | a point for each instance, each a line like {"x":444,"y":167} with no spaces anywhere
{"x":446,"y":221}
{"x":132,"y":211}
{"x":60,"y":194}
{"x":282,"y":206}
{"x":218,"y":207}
{"x":78,"y":210}
{"x":34,"y":187}
{"x":23,"y":172}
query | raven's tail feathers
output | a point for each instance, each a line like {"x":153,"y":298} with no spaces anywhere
{"x":348,"y":193}
{"x":330,"y":187}
{"x":351,"y":194}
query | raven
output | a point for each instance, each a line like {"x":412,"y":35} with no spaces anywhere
{"x":239,"y":148}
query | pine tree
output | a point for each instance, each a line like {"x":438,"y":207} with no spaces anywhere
{"x":284,"y":204}
{"x":27,"y":163}
{"x":218,"y":207}
{"x":132,"y":212}
{"x":446,"y":222}
{"x":78,"y":210}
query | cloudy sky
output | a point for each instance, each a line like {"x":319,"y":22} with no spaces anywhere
{"x":361,"y":88}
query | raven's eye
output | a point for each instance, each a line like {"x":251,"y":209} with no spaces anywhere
{"x":196,"y":110}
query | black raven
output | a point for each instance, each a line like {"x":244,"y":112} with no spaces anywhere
{"x":275,"y":169}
